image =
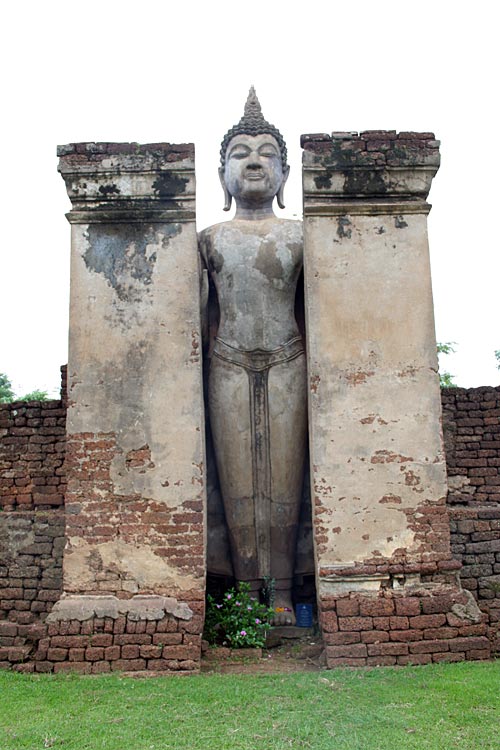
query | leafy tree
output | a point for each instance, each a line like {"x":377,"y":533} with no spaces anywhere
{"x":6,"y":392}
{"x":7,"y":395}
{"x":446,"y":348}
{"x":445,"y":378}
{"x":497,"y":356}
{"x":35,"y":395}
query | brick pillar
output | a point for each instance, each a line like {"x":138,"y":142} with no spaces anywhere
{"x":378,"y":470}
{"x":135,"y":505}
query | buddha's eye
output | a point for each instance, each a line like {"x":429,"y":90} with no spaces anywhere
{"x":268,"y":151}
{"x":239,"y":153}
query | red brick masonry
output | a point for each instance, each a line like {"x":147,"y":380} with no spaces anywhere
{"x":388,"y":629}
{"x":383,"y":628}
{"x":105,"y":644}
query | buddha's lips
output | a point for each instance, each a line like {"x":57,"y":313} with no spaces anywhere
{"x":255,"y":175}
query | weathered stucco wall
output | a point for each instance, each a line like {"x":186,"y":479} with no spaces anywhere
{"x":135,"y":414}
{"x":135,"y":503}
{"x":376,"y":446}
{"x":381,"y":528}
{"x":375,"y":434}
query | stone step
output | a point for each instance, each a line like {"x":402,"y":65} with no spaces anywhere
{"x":291,"y":631}
{"x":286,"y":633}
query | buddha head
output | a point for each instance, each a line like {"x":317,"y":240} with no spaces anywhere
{"x":253,"y":160}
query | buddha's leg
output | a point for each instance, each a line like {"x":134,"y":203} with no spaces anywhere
{"x":230,"y":420}
{"x":287,"y":384}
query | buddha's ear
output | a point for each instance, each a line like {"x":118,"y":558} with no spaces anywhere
{"x":279,"y":194}
{"x":228,"y":198}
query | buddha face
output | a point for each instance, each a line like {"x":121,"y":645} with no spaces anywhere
{"x":253,"y":172}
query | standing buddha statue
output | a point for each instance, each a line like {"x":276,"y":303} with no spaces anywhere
{"x":257,"y":399}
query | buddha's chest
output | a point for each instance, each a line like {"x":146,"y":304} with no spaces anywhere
{"x":244,"y":259}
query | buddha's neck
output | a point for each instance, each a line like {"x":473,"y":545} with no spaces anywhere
{"x":254,"y":214}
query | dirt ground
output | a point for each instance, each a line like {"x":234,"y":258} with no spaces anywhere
{"x":298,"y":654}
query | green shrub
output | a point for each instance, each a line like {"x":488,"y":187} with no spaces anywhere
{"x":36,"y":395}
{"x":445,"y":378}
{"x":6,"y":392}
{"x":238,"y":620}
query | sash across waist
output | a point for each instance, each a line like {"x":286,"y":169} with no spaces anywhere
{"x":257,"y":360}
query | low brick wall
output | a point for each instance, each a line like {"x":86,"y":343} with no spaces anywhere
{"x":384,"y":628}
{"x":32,"y":520}
{"x":31,"y":549}
{"x":128,"y":638}
{"x":103,"y":645}
{"x":32,"y":449}
{"x":475,"y":541}
{"x":391,"y":628}
{"x":471,"y":426}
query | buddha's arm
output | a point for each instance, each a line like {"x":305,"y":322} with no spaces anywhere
{"x":204,"y":289}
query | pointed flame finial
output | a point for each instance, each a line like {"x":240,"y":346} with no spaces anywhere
{"x":253,"y":110}
{"x":253,"y":123}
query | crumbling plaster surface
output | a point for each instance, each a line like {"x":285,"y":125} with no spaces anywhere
{"x":135,"y":503}
{"x":375,"y":433}
{"x":136,"y":566}
{"x":125,"y":352}
{"x":137,"y":608}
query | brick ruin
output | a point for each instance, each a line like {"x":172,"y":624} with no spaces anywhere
{"x":380,"y":630}
{"x":139,"y":633}
{"x":103,"y":527}
{"x":471,"y":421}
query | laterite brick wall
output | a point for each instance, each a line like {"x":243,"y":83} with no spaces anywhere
{"x":392,"y":629}
{"x":32,"y":447}
{"x":396,"y":628}
{"x":123,"y":642}
{"x":32,"y":524}
{"x":31,"y":548}
{"x":471,"y":421}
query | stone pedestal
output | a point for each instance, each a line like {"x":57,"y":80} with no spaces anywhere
{"x":135,"y":457}
{"x":378,"y":471}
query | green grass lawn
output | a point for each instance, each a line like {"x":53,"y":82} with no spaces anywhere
{"x":439,"y":706}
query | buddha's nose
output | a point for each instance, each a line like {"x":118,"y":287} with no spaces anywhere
{"x":254,"y":162}
{"x":254,"y":159}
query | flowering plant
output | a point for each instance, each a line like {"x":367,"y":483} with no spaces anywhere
{"x":238,"y":620}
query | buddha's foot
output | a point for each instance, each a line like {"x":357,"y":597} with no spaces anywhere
{"x":283,"y":609}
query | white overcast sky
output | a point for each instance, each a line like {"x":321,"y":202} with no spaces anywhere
{"x":180,"y":72}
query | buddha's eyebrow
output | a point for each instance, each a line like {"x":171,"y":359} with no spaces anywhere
{"x":268,"y":145}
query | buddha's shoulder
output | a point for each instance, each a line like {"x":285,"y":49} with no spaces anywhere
{"x":291,"y":228}
{"x":207,"y":234}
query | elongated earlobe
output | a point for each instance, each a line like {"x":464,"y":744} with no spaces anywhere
{"x":280,"y":193}
{"x":228,"y":198}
